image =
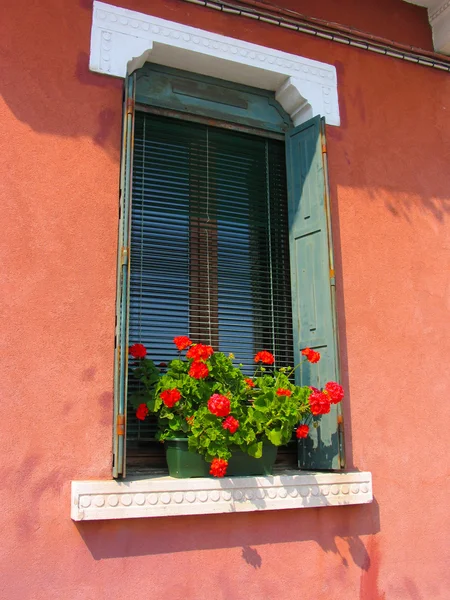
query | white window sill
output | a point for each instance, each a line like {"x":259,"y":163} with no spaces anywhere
{"x":158,"y":496}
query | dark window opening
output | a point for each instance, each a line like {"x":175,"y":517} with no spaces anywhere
{"x":209,"y":252}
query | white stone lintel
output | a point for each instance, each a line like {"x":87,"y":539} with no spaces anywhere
{"x":166,"y":496}
{"x":439,"y":19}
{"x":122,"y":40}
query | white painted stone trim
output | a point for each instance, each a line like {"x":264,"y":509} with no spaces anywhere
{"x":122,"y":40}
{"x":440,"y":24}
{"x":165,"y":496}
{"x":439,"y":18}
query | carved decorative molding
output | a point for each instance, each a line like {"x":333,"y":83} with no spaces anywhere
{"x":439,"y":18}
{"x":440,"y":24}
{"x":123,"y":40}
{"x":166,"y":496}
{"x":437,"y":12}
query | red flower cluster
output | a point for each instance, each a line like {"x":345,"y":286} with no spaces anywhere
{"x":200,"y":352}
{"x":319,"y":403}
{"x":249,"y":382}
{"x":302,"y":431}
{"x":231,"y":424}
{"x":218,"y":467}
{"x":311,"y":355}
{"x":219,"y":405}
{"x":198,"y":370}
{"x":182,"y":342}
{"x":170,"y":397}
{"x":141,"y":412}
{"x":265,"y":357}
{"x":190,"y":420}
{"x":138,"y":351}
{"x":334,"y":391}
{"x":283,"y":392}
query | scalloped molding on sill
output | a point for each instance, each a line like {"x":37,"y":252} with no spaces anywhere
{"x":123,"y":40}
{"x":166,"y":496}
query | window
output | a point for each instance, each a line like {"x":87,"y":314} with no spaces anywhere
{"x":205,"y":236}
{"x":209,"y":247}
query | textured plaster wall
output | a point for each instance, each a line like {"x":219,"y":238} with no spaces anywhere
{"x":390,"y":188}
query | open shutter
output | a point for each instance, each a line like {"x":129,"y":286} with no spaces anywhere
{"x":313,"y":284}
{"x":123,"y":275}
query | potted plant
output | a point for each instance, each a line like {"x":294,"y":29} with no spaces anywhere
{"x":214,"y":419}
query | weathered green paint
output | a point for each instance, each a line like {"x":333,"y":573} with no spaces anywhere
{"x":123,"y":268}
{"x":312,"y":276}
{"x":193,"y":94}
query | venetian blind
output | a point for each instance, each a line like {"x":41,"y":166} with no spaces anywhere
{"x":209,"y":242}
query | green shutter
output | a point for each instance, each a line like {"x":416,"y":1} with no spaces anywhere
{"x":123,"y":272}
{"x":313,"y":283}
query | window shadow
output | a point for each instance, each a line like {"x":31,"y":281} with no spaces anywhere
{"x":336,"y":529}
{"x":50,"y":88}
{"x":47,"y":84}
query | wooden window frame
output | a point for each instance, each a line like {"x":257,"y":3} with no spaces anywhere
{"x":209,"y":108}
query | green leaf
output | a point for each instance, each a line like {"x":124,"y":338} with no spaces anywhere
{"x":275,"y":436}
{"x":261,"y":403}
{"x":255,"y":449}
{"x":249,"y":436}
{"x":138,"y":398}
{"x":259,"y":417}
{"x":192,"y":443}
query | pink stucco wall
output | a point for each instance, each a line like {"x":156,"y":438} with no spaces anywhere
{"x":390,"y":188}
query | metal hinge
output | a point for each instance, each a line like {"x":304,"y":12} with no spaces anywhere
{"x":332,"y":277}
{"x":324,"y":148}
{"x":124,"y":252}
{"x":130,"y":106}
{"x":120,"y":427}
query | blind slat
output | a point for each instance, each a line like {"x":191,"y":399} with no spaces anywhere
{"x":209,"y":244}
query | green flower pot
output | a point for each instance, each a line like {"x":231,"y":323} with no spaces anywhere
{"x":182,"y":463}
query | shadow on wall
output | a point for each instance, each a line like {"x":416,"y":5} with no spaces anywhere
{"x":394,"y":127}
{"x":337,"y":530}
{"x":393,"y":143}
{"x":46,"y":81}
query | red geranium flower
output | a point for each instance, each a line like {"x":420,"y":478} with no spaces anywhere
{"x":190,"y":420}
{"x":335,"y":391}
{"x":283,"y":392}
{"x":311,"y":355}
{"x":198,"y":370}
{"x":265,"y":357}
{"x":182,"y":342}
{"x":302,"y":431}
{"x":219,"y":405}
{"x":170,"y":397}
{"x":200,"y":352}
{"x":231,"y":424}
{"x":142,"y":412}
{"x":138,"y":351}
{"x":218,"y":467}
{"x":249,"y":382}
{"x":319,"y":403}
{"x":314,"y":357}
